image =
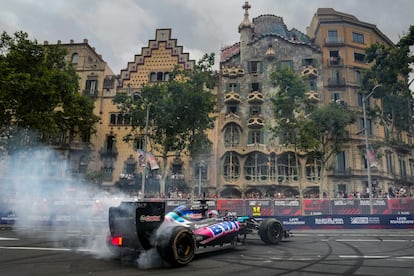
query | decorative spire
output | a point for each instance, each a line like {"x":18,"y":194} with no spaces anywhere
{"x":246,"y":22}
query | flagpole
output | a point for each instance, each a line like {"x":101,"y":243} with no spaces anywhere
{"x":144,"y":170}
{"x":371,"y":211}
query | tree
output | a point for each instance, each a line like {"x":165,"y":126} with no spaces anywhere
{"x":39,"y":94}
{"x":180,"y":111}
{"x":318,"y":131}
{"x":391,"y":68}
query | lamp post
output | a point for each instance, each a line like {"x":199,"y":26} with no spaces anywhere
{"x":364,"y":99}
{"x":200,"y":166}
{"x":144,"y":170}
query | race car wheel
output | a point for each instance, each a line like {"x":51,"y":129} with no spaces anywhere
{"x":179,"y":248}
{"x":271,"y":231}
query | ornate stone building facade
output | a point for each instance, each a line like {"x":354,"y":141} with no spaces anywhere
{"x":343,"y":40}
{"x":252,"y":162}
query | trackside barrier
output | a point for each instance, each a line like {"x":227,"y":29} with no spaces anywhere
{"x":395,"y":212}
{"x":348,"y":222}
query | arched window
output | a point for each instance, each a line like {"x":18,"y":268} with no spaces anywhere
{"x":313,"y":169}
{"x":231,"y":136}
{"x":231,"y":167}
{"x":75,"y":57}
{"x":256,"y":167}
{"x":287,"y":168}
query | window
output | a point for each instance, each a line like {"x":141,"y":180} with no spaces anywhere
{"x":107,"y":173}
{"x":308,"y":61}
{"x":153,"y":76}
{"x":231,"y":167}
{"x":341,"y":162}
{"x":390,"y":163}
{"x":286,"y":64}
{"x":139,"y":142}
{"x":256,"y":167}
{"x":255,"y":137}
{"x":357,"y":37}
{"x":130,"y":167}
{"x":332,"y":36}
{"x":358,"y":76}
{"x":358,"y":57}
{"x":109,"y":83}
{"x":336,"y":96}
{"x":342,"y":189}
{"x":313,"y":169}
{"x":334,"y":57}
{"x":91,"y":86}
{"x":254,"y":67}
{"x":75,"y":58}
{"x":255,"y":110}
{"x":120,"y":119}
{"x":110,"y":140}
{"x":233,"y":87}
{"x":232,"y":109}
{"x":361,"y":98}
{"x":112,"y":119}
{"x":312,"y":85}
{"x":160,"y":76}
{"x":369,"y":125}
{"x":403,"y":168}
{"x":255,"y":86}
{"x":231,"y":136}
{"x":411,"y":163}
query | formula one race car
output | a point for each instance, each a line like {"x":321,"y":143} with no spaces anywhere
{"x":177,"y":235}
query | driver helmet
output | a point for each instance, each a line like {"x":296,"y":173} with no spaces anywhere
{"x":212,"y":213}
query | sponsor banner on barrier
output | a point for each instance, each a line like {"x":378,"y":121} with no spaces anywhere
{"x":287,"y":207}
{"x":348,"y":222}
{"x":316,"y":206}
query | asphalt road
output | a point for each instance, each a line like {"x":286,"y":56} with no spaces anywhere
{"x":46,"y":251}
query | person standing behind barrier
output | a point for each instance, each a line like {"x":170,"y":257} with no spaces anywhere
{"x":257,"y":210}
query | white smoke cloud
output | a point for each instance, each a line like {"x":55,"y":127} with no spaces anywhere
{"x":47,"y":202}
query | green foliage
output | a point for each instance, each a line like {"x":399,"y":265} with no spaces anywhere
{"x":317,"y":130}
{"x":391,"y":69}
{"x":180,"y":110}
{"x":39,"y":92}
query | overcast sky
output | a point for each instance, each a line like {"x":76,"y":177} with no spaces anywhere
{"x":119,"y":29}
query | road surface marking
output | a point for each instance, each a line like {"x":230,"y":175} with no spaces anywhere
{"x":8,"y":239}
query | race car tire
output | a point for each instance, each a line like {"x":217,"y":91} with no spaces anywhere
{"x":271,"y":231}
{"x":178,"y":249}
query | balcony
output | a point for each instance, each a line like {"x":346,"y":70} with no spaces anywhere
{"x":309,"y":72}
{"x":232,"y":98}
{"x":232,"y":118}
{"x":255,"y":97}
{"x":336,"y":82}
{"x":93,"y":93}
{"x":108,"y":153}
{"x":334,"y":41}
{"x":334,"y":61}
{"x":233,"y":72}
{"x":255,"y":122}
{"x":313,"y":96}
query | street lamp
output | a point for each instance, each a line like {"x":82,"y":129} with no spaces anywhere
{"x":201,"y":165}
{"x":144,"y":170}
{"x":364,"y":99}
